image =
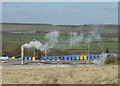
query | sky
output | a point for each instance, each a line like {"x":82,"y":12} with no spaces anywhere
{"x":60,"y":13}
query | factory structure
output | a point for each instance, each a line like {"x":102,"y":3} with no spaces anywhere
{"x":70,"y":58}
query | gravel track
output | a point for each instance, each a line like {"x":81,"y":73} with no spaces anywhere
{"x":41,"y":66}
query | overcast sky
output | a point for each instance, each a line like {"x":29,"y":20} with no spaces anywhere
{"x":60,"y":12}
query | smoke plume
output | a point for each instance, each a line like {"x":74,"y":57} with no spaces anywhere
{"x":52,"y":38}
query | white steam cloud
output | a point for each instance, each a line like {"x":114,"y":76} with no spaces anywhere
{"x":76,"y":39}
{"x":52,"y":38}
{"x":52,"y":42}
{"x":101,"y":61}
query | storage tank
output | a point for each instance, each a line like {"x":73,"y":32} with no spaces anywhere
{"x":88,"y":57}
{"x":92,"y":56}
{"x":96,"y":56}
{"x":111,"y":55}
{"x":118,"y":54}
{"x":13,"y":57}
{"x":57,"y":57}
{"x":85,"y":57}
{"x":115,"y":55}
{"x":4,"y":58}
{"x":44,"y":58}
{"x":61,"y":57}
{"x":53,"y":58}
{"x":77,"y":57}
{"x":81,"y":57}
{"x":30,"y":58}
{"x":65,"y":57}
{"x":69,"y":58}
{"x":73,"y":57}
{"x":25,"y":58}
{"x":33,"y":58}
{"x":49,"y":58}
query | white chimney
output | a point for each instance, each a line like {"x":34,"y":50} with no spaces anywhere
{"x":22,"y":55}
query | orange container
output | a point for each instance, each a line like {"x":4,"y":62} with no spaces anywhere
{"x":33,"y":58}
{"x":85,"y":57}
{"x":13,"y":57}
{"x":115,"y":55}
{"x":81,"y":57}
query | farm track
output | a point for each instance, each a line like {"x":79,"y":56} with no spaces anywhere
{"x":41,"y":66}
{"x":34,"y":65}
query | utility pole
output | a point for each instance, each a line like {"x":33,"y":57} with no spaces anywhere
{"x":34,"y":51}
{"x":34,"y":48}
{"x":45,"y":53}
{"x":88,"y":49}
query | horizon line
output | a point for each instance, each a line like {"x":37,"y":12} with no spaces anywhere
{"x":54,"y":24}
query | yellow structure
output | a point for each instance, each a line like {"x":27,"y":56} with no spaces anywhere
{"x":115,"y":55}
{"x":33,"y":58}
{"x":85,"y":57}
{"x":58,"y":60}
{"x":13,"y":57}
{"x":81,"y":57}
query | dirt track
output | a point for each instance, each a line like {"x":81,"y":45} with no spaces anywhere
{"x":40,"y":66}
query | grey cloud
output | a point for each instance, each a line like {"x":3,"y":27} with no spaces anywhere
{"x":108,"y":7}
{"x":41,"y":5}
{"x":44,"y":5}
{"x":17,"y":6}
{"x":74,"y":6}
{"x":62,"y":12}
{"x":5,"y":3}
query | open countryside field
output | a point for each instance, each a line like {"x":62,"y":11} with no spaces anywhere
{"x":43,"y":27}
{"x":107,"y":74}
{"x":13,"y":41}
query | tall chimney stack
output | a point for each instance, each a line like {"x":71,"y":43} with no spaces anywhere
{"x":22,"y":55}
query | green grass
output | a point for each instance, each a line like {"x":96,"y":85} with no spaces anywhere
{"x":21,"y":38}
{"x":51,"y":28}
{"x":11,"y":42}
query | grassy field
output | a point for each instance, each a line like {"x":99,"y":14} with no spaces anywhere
{"x":107,"y":74}
{"x":12,"y":42}
{"x":13,"y":45}
{"x":51,"y":28}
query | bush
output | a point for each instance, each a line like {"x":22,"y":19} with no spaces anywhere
{"x":109,"y":60}
{"x":107,"y":51}
{"x":119,"y":59}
